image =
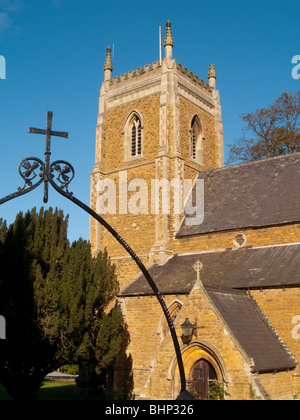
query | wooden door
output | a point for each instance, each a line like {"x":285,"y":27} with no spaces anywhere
{"x":202,"y":372}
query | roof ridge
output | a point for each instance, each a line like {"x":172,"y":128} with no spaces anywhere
{"x":223,"y":289}
{"x":254,"y":162}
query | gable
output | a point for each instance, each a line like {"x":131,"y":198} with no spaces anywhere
{"x":226,"y":276}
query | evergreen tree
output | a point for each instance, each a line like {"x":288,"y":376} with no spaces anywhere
{"x":53,"y":297}
{"x":73,"y":307}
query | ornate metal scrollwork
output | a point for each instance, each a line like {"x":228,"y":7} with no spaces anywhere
{"x":66,"y":174}
{"x":27,"y":170}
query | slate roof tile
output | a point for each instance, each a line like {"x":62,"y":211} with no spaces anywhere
{"x":273,"y":266}
{"x":255,"y":335}
{"x":256,"y":194}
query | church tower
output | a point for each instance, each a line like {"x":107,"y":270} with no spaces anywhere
{"x":157,"y":126}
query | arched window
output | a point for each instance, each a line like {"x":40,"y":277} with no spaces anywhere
{"x":196,"y":138}
{"x":174,"y":310}
{"x":136,"y":136}
{"x":133,"y":136}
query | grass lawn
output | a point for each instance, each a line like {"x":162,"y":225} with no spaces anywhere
{"x":54,"y":390}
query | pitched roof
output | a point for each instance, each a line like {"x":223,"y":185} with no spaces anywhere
{"x":255,"y":194}
{"x":272,"y":266}
{"x":251,"y":329}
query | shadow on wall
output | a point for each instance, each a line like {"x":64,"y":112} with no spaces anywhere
{"x":120,"y":376}
{"x":113,"y":383}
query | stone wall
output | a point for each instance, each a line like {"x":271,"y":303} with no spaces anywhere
{"x":282,"y":308}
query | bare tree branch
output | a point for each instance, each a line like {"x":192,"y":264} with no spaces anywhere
{"x":270,"y":132}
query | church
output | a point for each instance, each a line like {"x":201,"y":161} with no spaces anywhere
{"x":230,"y":271}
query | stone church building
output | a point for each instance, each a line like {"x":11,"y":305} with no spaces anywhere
{"x":232,"y":271}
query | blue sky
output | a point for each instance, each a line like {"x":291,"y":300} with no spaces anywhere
{"x":55,"y":51}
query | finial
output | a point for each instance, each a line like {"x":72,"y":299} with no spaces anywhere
{"x":212,"y":72}
{"x":168,"y":38}
{"x":212,"y":75}
{"x":108,"y":63}
{"x":198,"y":267}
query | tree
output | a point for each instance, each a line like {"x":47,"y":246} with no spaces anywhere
{"x":72,"y":308}
{"x":54,"y":298}
{"x":270,"y":132}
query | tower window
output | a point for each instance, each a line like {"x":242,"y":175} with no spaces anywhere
{"x":136,"y":137}
{"x":133,"y":136}
{"x":196,"y":139}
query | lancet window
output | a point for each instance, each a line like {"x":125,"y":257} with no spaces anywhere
{"x":196,"y":140}
{"x":136,"y":136}
{"x":133,"y":131}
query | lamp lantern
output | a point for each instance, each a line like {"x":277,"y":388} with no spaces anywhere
{"x":187,"y":331}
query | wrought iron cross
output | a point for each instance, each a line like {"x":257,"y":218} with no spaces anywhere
{"x":48,"y":132}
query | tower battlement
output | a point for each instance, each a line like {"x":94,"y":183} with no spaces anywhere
{"x":139,"y":72}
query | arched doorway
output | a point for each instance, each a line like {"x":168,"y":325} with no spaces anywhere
{"x":191,"y":355}
{"x":202,"y":375}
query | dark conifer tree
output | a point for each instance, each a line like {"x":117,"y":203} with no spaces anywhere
{"x":53,"y":297}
